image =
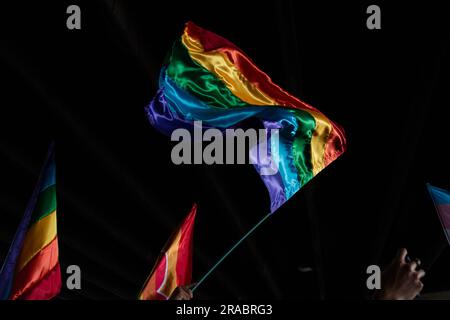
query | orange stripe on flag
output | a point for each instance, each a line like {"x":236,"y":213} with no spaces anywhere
{"x":169,"y":281}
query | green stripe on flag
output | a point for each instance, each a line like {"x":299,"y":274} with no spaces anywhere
{"x":46,"y":204}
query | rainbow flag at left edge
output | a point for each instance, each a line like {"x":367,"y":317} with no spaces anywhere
{"x":31,"y":270}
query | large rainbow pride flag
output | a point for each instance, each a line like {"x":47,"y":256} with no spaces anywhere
{"x":207,"y":78}
{"x":31,"y":270}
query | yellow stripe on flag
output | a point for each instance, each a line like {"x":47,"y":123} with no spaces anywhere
{"x":40,"y":234}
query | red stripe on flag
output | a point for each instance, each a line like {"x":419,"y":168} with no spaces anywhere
{"x":185,"y":249}
{"x":35,"y":270}
{"x":47,"y":288}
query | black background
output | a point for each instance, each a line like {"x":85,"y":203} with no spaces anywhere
{"x":119,"y":195}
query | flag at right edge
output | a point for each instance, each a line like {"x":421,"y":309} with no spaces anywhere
{"x":441,"y":200}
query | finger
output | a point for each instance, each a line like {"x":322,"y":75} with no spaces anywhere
{"x":184,"y":291}
{"x":420,"y":274}
{"x":416,"y":292}
{"x":401,"y":255}
{"x":413,"y":266}
{"x":191,"y":294}
{"x":419,"y":286}
{"x":184,"y":296}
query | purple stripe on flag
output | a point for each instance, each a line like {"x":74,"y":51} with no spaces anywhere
{"x":444,"y":213}
{"x":274,"y":182}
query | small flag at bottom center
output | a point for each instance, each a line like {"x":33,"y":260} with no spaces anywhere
{"x":174,"y":265}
